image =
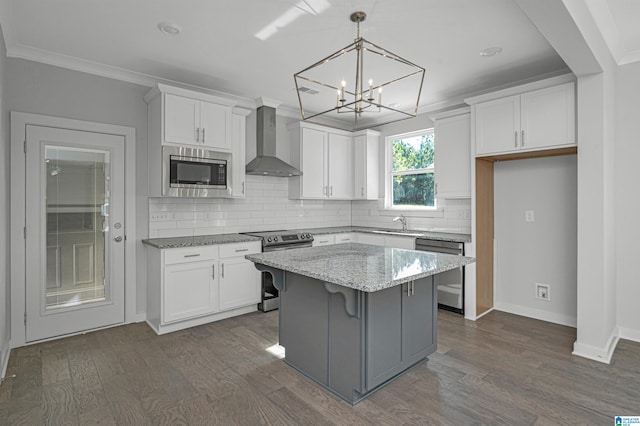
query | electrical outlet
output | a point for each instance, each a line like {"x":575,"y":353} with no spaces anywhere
{"x":543,"y":292}
{"x":159,"y":216}
{"x":529,"y":216}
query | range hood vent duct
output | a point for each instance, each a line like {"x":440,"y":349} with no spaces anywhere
{"x":266,"y":163}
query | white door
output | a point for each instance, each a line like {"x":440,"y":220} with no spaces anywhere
{"x":215,"y":125}
{"x":313,"y":164}
{"x":74,"y":231}
{"x":182,"y":120}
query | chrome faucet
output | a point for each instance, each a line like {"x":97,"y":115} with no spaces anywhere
{"x":402,"y":220}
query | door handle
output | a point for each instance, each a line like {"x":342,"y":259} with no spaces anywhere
{"x":117,"y":238}
{"x":213,"y":271}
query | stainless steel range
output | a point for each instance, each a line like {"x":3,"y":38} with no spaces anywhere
{"x":273,"y":241}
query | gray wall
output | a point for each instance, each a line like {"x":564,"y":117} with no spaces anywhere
{"x":47,"y":90}
{"x":5,"y":299}
{"x":543,"y":251}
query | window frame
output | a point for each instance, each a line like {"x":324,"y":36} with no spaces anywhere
{"x":390,"y":174}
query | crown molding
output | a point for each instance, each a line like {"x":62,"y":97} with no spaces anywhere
{"x":605,"y":22}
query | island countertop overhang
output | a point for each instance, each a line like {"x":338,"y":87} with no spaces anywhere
{"x":362,"y":267}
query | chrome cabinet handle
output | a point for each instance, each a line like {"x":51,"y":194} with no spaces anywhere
{"x":203,"y":136}
{"x":239,"y":250}
{"x":213,"y":271}
{"x":413,"y":288}
{"x":197,"y":134}
{"x":243,"y":187}
{"x":222,"y":273}
{"x":515,"y":134}
{"x":192,"y":255}
{"x":331,"y":191}
{"x":326,"y":191}
{"x":522,"y":138}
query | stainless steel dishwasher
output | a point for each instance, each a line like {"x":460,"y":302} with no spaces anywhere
{"x":450,"y":284}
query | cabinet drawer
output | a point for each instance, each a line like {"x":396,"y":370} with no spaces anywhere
{"x":240,"y":249}
{"x":344,"y":238}
{"x":190,"y":254}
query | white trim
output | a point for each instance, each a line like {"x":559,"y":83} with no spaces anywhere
{"x":629,"y":334}
{"x":482,"y":314}
{"x":518,"y":90}
{"x":601,"y":14}
{"x":525,"y":311}
{"x":181,"y":325}
{"x":595,"y":353}
{"x":4,"y":361}
{"x":449,"y":113}
{"x":19,"y":121}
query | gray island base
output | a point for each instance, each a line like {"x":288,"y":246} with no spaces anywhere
{"x":354,"y":317}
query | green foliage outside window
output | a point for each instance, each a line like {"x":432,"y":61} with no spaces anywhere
{"x":413,"y":173}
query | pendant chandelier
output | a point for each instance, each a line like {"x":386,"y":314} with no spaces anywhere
{"x":381,"y":88}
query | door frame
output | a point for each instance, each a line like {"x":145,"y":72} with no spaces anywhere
{"x":19,"y":121}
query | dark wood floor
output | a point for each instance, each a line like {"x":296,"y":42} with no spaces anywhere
{"x":502,"y":369}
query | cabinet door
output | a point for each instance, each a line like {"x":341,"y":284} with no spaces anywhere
{"x":373,"y":239}
{"x":189,"y":290}
{"x":418,"y":313}
{"x":453,"y":157}
{"x":360,"y":168}
{"x":215,"y":126}
{"x":239,"y":283}
{"x":498,"y":125}
{"x":323,"y":240}
{"x":384,"y":334}
{"x":344,"y":238}
{"x":340,"y":169}
{"x":181,"y":120}
{"x":238,"y":137}
{"x":408,"y":243}
{"x":313,"y":163}
{"x":548,"y":117}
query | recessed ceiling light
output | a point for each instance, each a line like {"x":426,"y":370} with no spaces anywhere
{"x":491,"y":51}
{"x":169,"y":28}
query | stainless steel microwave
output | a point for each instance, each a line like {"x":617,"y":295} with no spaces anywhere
{"x":195,"y":172}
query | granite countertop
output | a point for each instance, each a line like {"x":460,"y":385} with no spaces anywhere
{"x":361,"y":266}
{"x":201,"y":240}
{"x":433,"y":235}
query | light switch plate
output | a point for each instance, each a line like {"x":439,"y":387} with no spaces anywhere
{"x":529,"y":216}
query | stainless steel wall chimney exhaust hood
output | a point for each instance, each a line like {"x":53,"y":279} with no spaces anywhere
{"x":266,"y":162}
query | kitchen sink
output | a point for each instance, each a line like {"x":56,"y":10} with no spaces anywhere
{"x":400,"y":233}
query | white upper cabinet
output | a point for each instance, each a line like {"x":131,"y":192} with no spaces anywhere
{"x":339,"y":166}
{"x":534,"y":120}
{"x":325,"y":158}
{"x":366,"y":154}
{"x":190,"y":118}
{"x":453,"y":153}
{"x":239,"y":147}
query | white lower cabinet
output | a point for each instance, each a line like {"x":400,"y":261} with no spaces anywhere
{"x":328,"y":239}
{"x":238,"y":276}
{"x":190,"y":290}
{"x":392,"y":241}
{"x":196,"y":285}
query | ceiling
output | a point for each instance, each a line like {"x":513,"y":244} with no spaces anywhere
{"x":218,"y":47}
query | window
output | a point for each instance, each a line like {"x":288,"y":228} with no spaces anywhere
{"x":410,"y":170}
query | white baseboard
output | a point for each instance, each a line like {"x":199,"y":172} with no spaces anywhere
{"x":629,"y":334}
{"x":140,"y":317}
{"x":595,"y":353}
{"x":480,"y":316}
{"x":562,"y":319}
{"x":4,"y":359}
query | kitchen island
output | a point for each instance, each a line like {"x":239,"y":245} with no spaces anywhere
{"x":353,"y":317}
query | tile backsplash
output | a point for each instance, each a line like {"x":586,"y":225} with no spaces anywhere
{"x":267,"y":207}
